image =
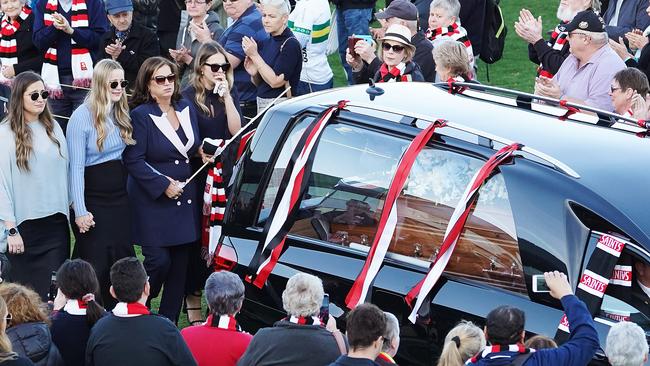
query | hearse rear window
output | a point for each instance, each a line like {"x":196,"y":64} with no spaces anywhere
{"x":352,"y":171}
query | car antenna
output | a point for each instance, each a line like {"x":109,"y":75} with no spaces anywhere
{"x":373,"y":91}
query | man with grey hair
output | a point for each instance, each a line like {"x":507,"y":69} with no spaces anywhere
{"x":550,"y":54}
{"x":626,"y":345}
{"x":585,"y":76}
{"x":219,"y":341}
{"x":301,"y":338}
{"x":391,"y":341}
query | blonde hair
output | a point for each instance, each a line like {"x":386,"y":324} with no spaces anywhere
{"x":24,"y":304}
{"x":6,"y":352}
{"x":99,"y":102}
{"x":206,"y":51}
{"x":16,"y":119}
{"x":453,"y":55}
{"x":470,"y":341}
{"x":303,"y":295}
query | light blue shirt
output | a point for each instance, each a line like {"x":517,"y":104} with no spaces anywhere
{"x":83,"y":151}
{"x":40,"y":192}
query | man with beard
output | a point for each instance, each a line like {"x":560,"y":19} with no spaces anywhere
{"x":550,"y":54}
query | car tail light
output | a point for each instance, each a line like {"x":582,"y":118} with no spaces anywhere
{"x":225,"y":258}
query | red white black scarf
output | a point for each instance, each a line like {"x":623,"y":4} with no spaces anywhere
{"x":132,"y":308}
{"x":82,"y":63}
{"x":8,"y":45}
{"x":287,"y":202}
{"x":386,"y":358}
{"x":595,"y":278}
{"x":394,"y":74}
{"x":226,"y":322}
{"x":455,"y":227}
{"x":214,"y":208}
{"x":75,"y":307}
{"x":304,"y":320}
{"x":453,"y":32}
{"x":557,"y":42}
{"x":485,"y":353}
{"x":388,"y":220}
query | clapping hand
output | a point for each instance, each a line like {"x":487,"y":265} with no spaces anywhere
{"x":547,"y":87}
{"x":61,"y":23}
{"x":8,"y":71}
{"x":114,"y":49}
{"x":528,"y":28}
{"x":85,"y":222}
{"x":636,"y":39}
{"x":620,"y":48}
{"x":181,"y":56}
{"x":249,"y":46}
{"x":250,"y":66}
{"x":201,"y":32}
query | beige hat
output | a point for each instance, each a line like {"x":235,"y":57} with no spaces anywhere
{"x":399,"y":33}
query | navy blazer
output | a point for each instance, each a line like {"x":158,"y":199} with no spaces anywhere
{"x":159,"y":153}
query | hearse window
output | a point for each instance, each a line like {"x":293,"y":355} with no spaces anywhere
{"x":352,"y":171}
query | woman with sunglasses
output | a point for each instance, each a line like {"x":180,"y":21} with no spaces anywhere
{"x":278,"y":61}
{"x":198,"y":25}
{"x":216,"y":101}
{"x":98,"y":132}
{"x":7,"y":356}
{"x":397,"y":58}
{"x":33,"y":186}
{"x":165,"y":214}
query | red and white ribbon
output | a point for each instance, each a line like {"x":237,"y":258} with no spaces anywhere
{"x":294,"y":182}
{"x":75,"y":307}
{"x":132,"y":308}
{"x":226,"y":322}
{"x":455,"y":228}
{"x":388,"y":220}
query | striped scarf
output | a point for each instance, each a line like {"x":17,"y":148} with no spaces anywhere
{"x":394,"y":74}
{"x":214,"y":203}
{"x":82,"y":63}
{"x":132,"y":308}
{"x":75,"y":307}
{"x":557,"y":42}
{"x":453,"y":32}
{"x":304,"y":320}
{"x":226,"y":322}
{"x":518,"y":349}
{"x":8,"y":45}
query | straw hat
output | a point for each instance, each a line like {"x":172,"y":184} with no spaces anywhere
{"x":399,"y":33}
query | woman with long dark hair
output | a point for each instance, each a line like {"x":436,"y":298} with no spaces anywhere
{"x":98,"y":132}
{"x":165,"y":214}
{"x":76,"y":310}
{"x":33,"y":186}
{"x":216,"y":101}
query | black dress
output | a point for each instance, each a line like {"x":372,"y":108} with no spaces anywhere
{"x":215,"y":127}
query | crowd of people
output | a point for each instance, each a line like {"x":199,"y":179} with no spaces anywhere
{"x":109,"y":104}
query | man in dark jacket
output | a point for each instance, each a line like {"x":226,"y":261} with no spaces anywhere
{"x":504,"y":330}
{"x":126,"y":42}
{"x":398,"y":12}
{"x":624,"y":16}
{"x":366,"y":326}
{"x":550,"y":54}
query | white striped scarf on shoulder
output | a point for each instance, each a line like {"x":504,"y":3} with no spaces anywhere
{"x":8,"y":44}
{"x":556,"y":42}
{"x":453,"y":32}
{"x":82,"y":63}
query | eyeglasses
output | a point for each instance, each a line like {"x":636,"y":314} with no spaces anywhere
{"x":613,"y":89}
{"x":395,"y":47}
{"x":43,"y":94}
{"x":229,"y":1}
{"x":197,"y":2}
{"x":160,"y":80}
{"x":578,"y":33}
{"x":122,"y":83}
{"x":216,"y":67}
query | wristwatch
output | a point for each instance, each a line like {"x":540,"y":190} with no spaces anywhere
{"x":12,"y":232}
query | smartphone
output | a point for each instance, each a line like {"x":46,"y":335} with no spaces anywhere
{"x":54,"y":288}
{"x":539,"y":284}
{"x":352,"y":41}
{"x":325,"y":309}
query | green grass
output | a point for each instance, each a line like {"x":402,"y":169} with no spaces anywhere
{"x":514,"y":70}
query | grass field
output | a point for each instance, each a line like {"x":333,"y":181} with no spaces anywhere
{"x":513,"y":71}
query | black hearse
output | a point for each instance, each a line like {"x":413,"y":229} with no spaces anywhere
{"x":582,"y":175}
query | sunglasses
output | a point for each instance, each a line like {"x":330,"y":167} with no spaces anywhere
{"x":216,"y":67}
{"x":613,"y":89}
{"x":43,"y":94}
{"x":395,"y":47}
{"x":122,"y":83}
{"x":160,"y":80}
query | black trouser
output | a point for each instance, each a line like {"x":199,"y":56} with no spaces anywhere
{"x":47,"y":246}
{"x":167,"y":266}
